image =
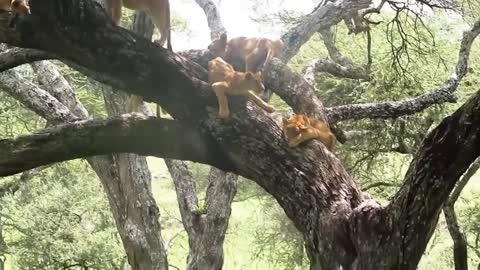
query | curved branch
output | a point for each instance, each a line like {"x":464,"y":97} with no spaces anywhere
{"x":128,"y":133}
{"x":447,"y":152}
{"x":337,"y":70}
{"x":323,"y":191}
{"x":325,"y":16}
{"x":51,"y":79}
{"x":18,"y":56}
{"x":395,"y":109}
{"x":293,"y":89}
{"x":213,"y":18}
{"x":333,"y":52}
{"x":35,"y":98}
{"x":462,"y":183}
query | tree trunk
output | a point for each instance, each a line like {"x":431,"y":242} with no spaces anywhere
{"x":206,"y":228}
{"x":125,"y":178}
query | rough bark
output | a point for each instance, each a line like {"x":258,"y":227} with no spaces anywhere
{"x":130,"y":192}
{"x":213,"y":18}
{"x":340,"y":226}
{"x":291,"y":88}
{"x":186,"y":97}
{"x":337,"y":70}
{"x":333,"y":52}
{"x":51,"y":79}
{"x":442,"y":94}
{"x":460,"y":255}
{"x":139,"y":134}
{"x":143,"y":245}
{"x":325,"y":16}
{"x":35,"y":98}
{"x":137,"y":212}
{"x":202,"y":254}
{"x":143,"y":25}
{"x":205,"y":228}
{"x":55,"y":112}
{"x":16,"y":56}
{"x":444,"y":156}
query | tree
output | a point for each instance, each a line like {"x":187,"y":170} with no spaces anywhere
{"x":341,"y":225}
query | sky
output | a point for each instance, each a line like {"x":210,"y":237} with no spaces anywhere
{"x":235,"y":15}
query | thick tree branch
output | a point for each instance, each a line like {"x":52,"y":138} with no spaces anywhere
{"x":222,"y":187}
{"x":18,"y":56}
{"x":35,"y":98}
{"x":213,"y":18}
{"x":411,"y":217}
{"x":134,"y":134}
{"x":447,"y":152}
{"x":51,"y":79}
{"x":325,"y":16}
{"x":395,"y":109}
{"x":309,"y":182}
{"x":205,"y":227}
{"x":137,"y":66}
{"x":293,"y":89}
{"x":125,"y":185}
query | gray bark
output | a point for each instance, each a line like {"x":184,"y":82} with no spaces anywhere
{"x":16,"y":56}
{"x":341,"y":226}
{"x":460,"y":254}
{"x":138,"y":229}
{"x":130,"y":196}
{"x":140,"y":232}
{"x":322,"y":18}
{"x":206,"y":230}
{"x":442,"y":94}
{"x":213,"y":18}
{"x":337,"y":70}
{"x":333,"y":52}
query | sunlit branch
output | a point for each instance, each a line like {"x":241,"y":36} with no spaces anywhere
{"x":394,"y":109}
{"x":126,"y":134}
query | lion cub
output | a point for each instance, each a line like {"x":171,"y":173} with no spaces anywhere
{"x":226,"y":81}
{"x":19,"y":6}
{"x":300,"y":128}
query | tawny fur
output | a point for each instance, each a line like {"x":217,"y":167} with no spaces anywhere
{"x":226,"y":81}
{"x":300,"y":128}
{"x":250,"y":51}
{"x":19,"y":6}
{"x":159,"y":11}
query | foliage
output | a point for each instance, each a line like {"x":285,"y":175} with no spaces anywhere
{"x":61,"y":219}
